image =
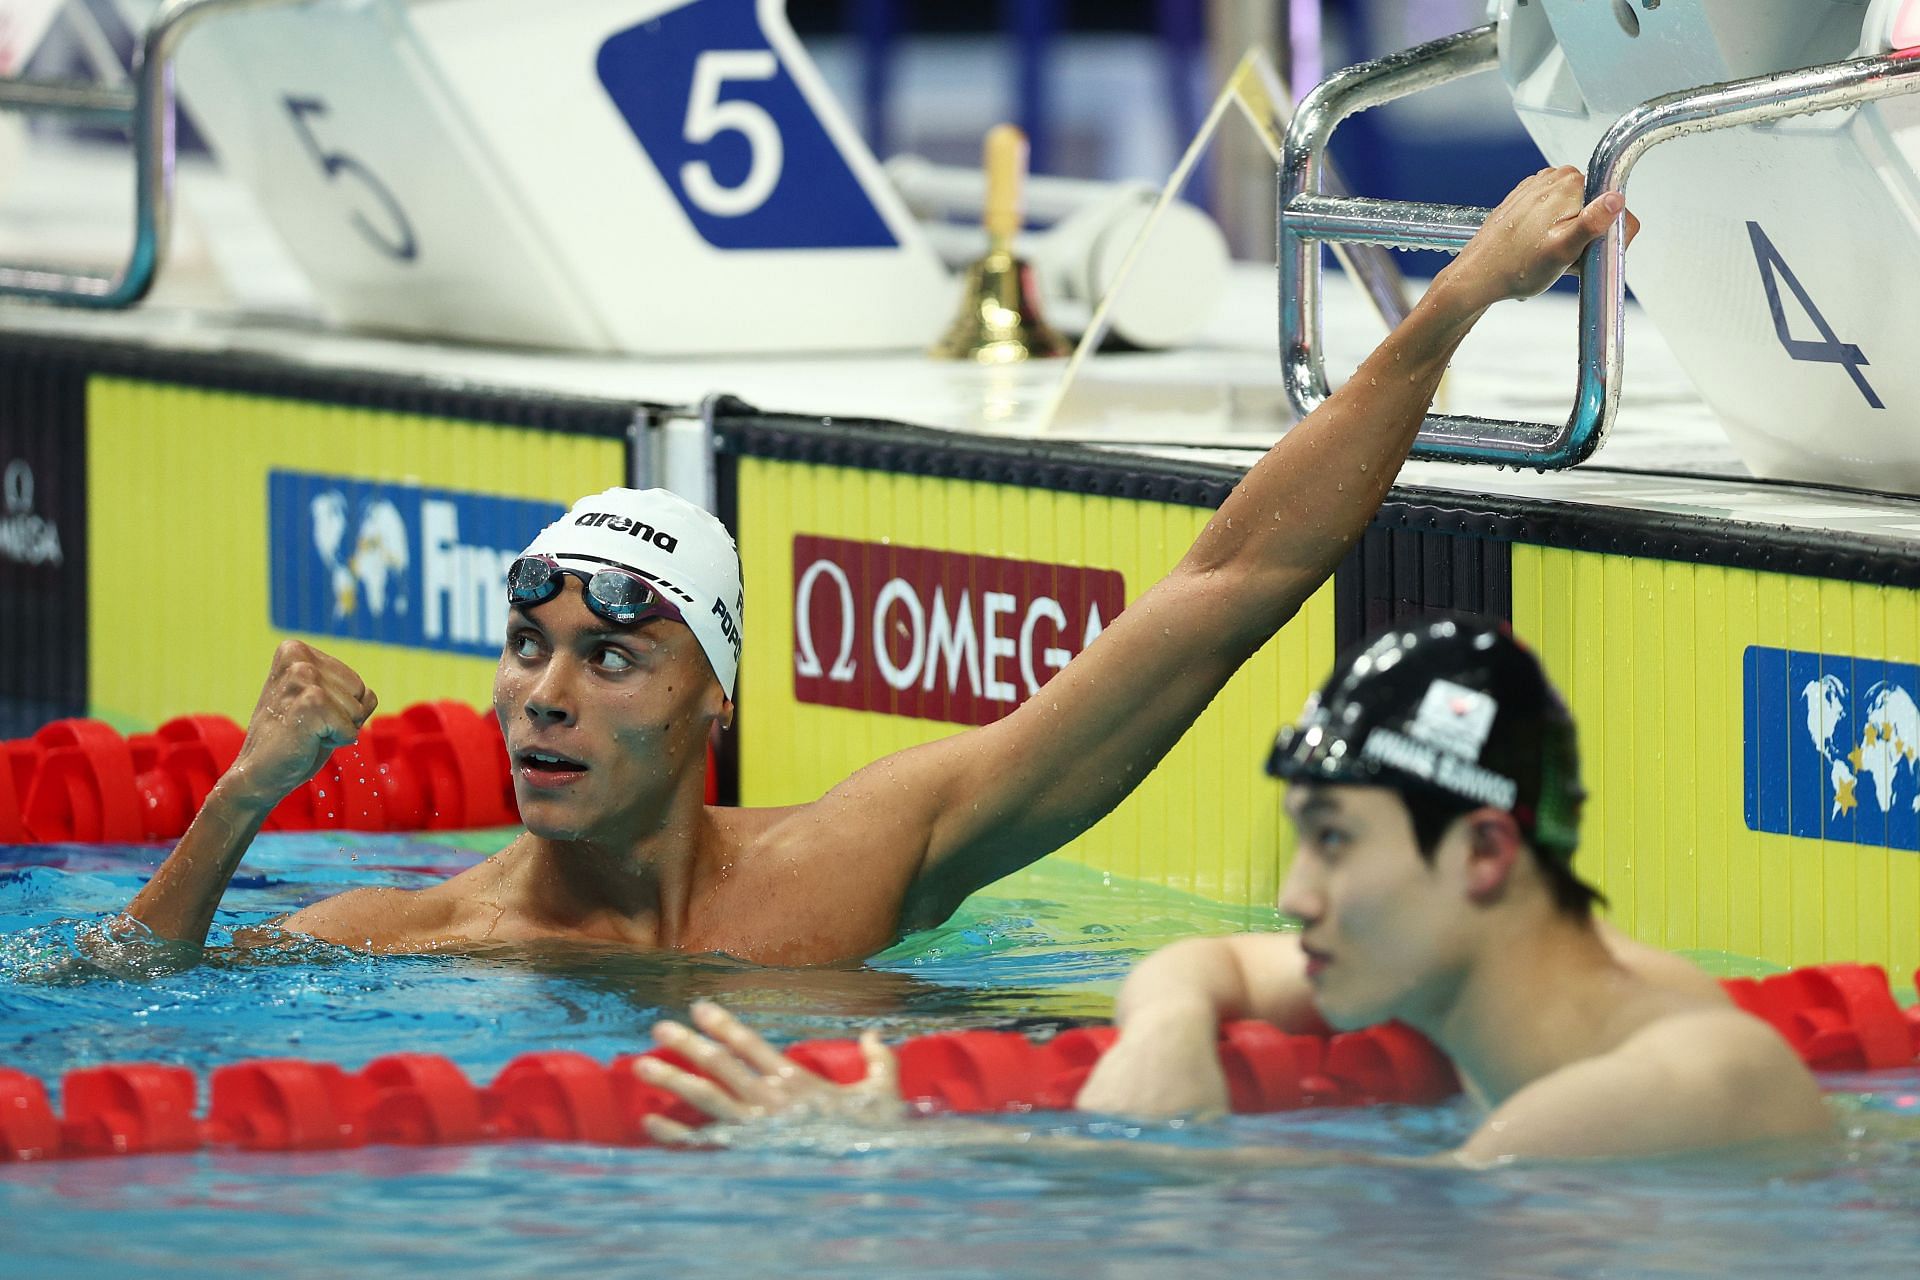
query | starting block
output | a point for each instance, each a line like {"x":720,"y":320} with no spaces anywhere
{"x":1773,"y":148}
{"x":656,"y":177}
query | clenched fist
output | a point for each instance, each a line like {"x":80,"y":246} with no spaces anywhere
{"x":312,"y":703}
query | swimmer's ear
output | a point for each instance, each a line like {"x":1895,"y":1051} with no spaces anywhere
{"x":1494,"y":847}
{"x":725,"y":718}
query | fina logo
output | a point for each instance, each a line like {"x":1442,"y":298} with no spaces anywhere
{"x":1833,"y":747}
{"x":378,"y":555}
{"x":1888,"y":741}
{"x":395,"y":564}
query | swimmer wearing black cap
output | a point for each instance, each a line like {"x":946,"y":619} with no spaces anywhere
{"x":1435,"y":784}
{"x":619,"y":663}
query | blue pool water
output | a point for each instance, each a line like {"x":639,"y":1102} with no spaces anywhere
{"x":1049,"y":952}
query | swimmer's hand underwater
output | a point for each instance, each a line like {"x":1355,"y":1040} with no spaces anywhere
{"x":311,"y":705}
{"x":1640,"y":1103}
{"x":752,"y":1081}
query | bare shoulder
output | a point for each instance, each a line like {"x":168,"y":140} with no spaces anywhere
{"x":1700,"y":1077}
{"x":803,"y":884}
{"x":1718,"y":1057}
{"x":737,"y":829}
{"x":857,"y":829}
{"x":379,"y":919}
{"x":743,"y":843}
{"x":1723,"y":1048}
{"x":1662,"y":969}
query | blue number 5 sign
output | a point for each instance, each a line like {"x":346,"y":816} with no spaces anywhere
{"x":721,"y":117}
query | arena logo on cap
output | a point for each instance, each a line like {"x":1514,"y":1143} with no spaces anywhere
{"x":1832,"y":747}
{"x":632,"y":528}
{"x":395,"y":564}
{"x":937,"y":635}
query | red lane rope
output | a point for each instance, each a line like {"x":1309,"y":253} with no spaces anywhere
{"x":1838,"y":1017}
{"x":436,"y":766}
{"x":433,"y":766}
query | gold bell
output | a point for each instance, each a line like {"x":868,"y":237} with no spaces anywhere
{"x":999,"y":320}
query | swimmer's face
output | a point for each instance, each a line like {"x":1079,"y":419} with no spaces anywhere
{"x":1380,"y":925}
{"x":603,"y":723}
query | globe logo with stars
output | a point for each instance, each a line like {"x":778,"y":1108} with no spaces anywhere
{"x":1882,"y":750}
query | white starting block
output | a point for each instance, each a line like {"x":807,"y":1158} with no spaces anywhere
{"x":650,"y":176}
{"x":1774,"y":154}
{"x":1781,"y":262}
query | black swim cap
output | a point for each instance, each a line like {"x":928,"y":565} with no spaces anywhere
{"x":1452,"y":709}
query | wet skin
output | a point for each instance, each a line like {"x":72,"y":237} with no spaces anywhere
{"x":1579,"y":1043}
{"x":626,"y":709}
{"x":609,"y":726}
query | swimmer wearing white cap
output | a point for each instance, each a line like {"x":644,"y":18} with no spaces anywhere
{"x":620,"y":656}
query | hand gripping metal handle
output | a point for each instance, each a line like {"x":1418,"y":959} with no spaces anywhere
{"x":148,"y":110}
{"x":1308,"y":217}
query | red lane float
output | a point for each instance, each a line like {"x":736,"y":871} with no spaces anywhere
{"x":436,"y":766}
{"x":433,"y":766}
{"x":81,"y":785}
{"x":1837,"y":1016}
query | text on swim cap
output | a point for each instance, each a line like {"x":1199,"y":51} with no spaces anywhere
{"x":1443,"y":769}
{"x":727,"y":629}
{"x":632,"y":528}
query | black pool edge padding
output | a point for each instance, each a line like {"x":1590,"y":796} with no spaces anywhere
{"x":885,"y":446}
{"x":252,"y":373}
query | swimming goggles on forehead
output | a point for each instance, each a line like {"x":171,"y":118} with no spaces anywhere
{"x":614,"y":594}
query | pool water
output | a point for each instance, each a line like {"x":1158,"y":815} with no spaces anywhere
{"x":1044,"y":952}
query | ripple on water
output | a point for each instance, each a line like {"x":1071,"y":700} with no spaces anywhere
{"x":1048,"y":951}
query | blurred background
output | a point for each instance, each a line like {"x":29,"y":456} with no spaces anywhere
{"x":1109,"y":89}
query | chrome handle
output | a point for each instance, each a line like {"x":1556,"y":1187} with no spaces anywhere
{"x":1308,"y":217}
{"x":149,"y":110}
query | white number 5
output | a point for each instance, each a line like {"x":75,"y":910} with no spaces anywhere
{"x":709,"y":116}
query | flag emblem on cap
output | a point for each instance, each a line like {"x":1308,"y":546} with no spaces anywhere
{"x":1454,"y":718}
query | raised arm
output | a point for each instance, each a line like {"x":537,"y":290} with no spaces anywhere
{"x":311,"y":704}
{"x":994,"y":799}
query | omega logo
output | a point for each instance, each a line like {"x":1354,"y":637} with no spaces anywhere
{"x":25,"y":538}
{"x":17,"y":485}
{"x":934,"y":634}
{"x":807,"y":660}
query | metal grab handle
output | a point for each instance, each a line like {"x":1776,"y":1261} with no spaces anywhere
{"x":93,"y":103}
{"x":1308,"y":217}
{"x":149,"y":111}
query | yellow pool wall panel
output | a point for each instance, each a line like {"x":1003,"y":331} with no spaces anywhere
{"x":177,"y":479}
{"x":1649,"y":654}
{"x":1207,"y":821}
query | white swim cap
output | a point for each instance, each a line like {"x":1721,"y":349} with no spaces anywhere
{"x":681,"y":549}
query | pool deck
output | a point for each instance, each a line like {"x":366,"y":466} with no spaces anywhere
{"x":231,"y":291}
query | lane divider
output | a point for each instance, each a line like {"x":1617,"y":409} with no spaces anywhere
{"x":1839,"y":1017}
{"x":433,"y":766}
{"x":436,"y":766}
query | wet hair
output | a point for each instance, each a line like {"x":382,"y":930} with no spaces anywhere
{"x":1433,"y":812}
